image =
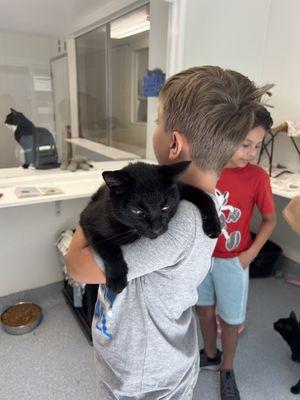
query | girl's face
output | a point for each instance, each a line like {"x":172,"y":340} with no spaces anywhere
{"x":247,"y":152}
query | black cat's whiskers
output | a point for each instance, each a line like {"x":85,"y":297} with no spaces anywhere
{"x":120,"y":236}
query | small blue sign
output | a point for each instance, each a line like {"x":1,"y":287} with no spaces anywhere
{"x":153,"y":83}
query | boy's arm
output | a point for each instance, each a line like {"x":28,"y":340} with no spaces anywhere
{"x":80,"y":262}
{"x":266,"y":228}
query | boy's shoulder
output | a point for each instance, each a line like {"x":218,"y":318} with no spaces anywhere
{"x":186,"y":224}
{"x":187,"y":214}
{"x":186,"y":218}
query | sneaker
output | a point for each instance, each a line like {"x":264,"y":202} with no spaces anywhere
{"x":229,"y":390}
{"x":212,"y":364}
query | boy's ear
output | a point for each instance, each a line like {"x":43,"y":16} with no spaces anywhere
{"x":115,"y":179}
{"x":171,"y":171}
{"x":179,"y":146}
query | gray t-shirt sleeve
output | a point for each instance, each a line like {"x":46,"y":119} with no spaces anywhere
{"x":145,"y":255}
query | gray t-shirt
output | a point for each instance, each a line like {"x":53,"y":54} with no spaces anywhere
{"x":145,"y":338}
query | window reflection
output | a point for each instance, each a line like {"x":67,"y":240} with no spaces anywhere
{"x":111,"y":62}
{"x":26,"y":87}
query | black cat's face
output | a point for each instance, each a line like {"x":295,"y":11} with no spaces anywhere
{"x":14,"y":118}
{"x":145,"y":197}
{"x":287,"y":327}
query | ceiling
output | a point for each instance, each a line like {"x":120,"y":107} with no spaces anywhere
{"x":45,"y":17}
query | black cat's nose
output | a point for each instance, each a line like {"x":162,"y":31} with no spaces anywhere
{"x":154,"y":233}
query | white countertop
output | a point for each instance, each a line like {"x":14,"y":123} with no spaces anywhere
{"x":74,"y":185}
{"x":81,"y":184}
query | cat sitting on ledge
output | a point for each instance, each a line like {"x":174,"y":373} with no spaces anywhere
{"x":37,"y":143}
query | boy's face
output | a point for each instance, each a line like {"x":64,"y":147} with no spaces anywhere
{"x":162,"y":140}
{"x":247,"y":152}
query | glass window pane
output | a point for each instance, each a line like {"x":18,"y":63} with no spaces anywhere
{"x":129,"y":43}
{"x":91,"y":80}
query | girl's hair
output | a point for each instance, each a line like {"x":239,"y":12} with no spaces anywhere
{"x":263,"y":118}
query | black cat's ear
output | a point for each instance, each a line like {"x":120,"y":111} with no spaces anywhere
{"x":115,"y":179}
{"x":12,"y":110}
{"x":293,"y":316}
{"x":173,"y":170}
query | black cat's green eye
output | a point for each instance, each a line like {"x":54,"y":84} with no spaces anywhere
{"x":165,"y":208}
{"x":136,"y":211}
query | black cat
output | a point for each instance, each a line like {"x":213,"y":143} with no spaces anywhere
{"x":38,"y":143}
{"x":289,"y":329}
{"x":138,"y":200}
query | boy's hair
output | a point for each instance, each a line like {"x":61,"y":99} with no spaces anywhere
{"x":214,"y":108}
{"x":263,"y":118}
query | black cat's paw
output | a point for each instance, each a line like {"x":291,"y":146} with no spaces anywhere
{"x":211,"y":226}
{"x":117,"y":285}
{"x":296,"y":388}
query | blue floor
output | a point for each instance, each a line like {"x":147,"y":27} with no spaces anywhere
{"x":55,"y":362}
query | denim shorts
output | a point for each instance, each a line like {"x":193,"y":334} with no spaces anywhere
{"x":226,"y":286}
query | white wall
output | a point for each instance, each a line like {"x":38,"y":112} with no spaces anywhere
{"x":226,"y":33}
{"x":260,"y":39}
{"x":28,"y":256}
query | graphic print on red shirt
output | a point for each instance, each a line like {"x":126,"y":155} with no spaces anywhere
{"x":238,"y":191}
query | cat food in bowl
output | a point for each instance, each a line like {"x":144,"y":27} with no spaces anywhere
{"x":21,"y":318}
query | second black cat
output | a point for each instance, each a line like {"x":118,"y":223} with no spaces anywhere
{"x":289,"y":329}
{"x":139,"y":200}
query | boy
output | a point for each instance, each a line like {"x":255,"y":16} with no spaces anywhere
{"x":145,"y":338}
{"x":226,"y":286}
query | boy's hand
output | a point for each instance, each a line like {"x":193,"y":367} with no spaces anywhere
{"x":246,"y":258}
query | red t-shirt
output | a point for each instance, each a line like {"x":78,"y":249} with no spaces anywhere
{"x":240,"y":190}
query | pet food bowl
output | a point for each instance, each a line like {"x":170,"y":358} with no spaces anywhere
{"x":21,"y":318}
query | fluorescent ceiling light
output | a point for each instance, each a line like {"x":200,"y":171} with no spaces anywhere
{"x":130,"y":24}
